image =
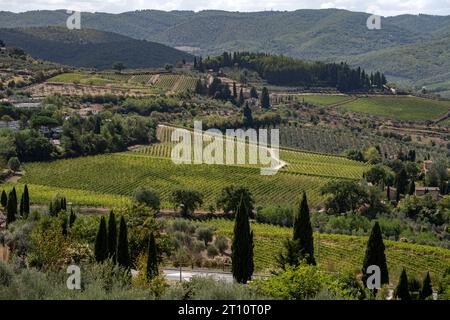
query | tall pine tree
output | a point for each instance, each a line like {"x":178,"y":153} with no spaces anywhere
{"x":375,"y":255}
{"x":123,"y":253}
{"x":242,"y":247}
{"x":402,"y":291}
{"x":112,"y":237}
{"x":101,"y":242}
{"x":152,"y":258}
{"x":303,"y":232}
{"x":426,"y":290}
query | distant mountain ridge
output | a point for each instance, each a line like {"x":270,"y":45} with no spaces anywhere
{"x":328,"y":34}
{"x":90,"y":48}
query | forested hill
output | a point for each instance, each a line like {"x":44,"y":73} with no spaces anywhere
{"x":330,"y":35}
{"x":286,"y":71}
{"x":90,"y":48}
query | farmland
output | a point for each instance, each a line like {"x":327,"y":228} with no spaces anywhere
{"x":151,"y":166}
{"x":399,"y":108}
{"x":323,"y":100}
{"x":142,"y":83}
{"x":342,"y":252}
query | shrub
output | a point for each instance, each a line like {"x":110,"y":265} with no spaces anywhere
{"x":14,"y":164}
{"x":221,"y":243}
{"x":207,"y":288}
{"x":297,"y":283}
{"x":147,"y":196}
{"x":6,"y":275}
{"x":205,"y":234}
{"x":212,"y":251}
{"x":283,"y":216}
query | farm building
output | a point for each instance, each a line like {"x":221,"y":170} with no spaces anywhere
{"x":434,"y":191}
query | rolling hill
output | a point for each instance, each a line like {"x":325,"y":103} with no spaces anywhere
{"x":90,"y":48}
{"x":329,"y":34}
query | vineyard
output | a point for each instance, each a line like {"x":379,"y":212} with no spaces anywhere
{"x":123,"y":173}
{"x":323,"y":100}
{"x":337,"y":141}
{"x":399,"y":108}
{"x":342,"y":252}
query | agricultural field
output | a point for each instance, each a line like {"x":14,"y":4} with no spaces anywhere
{"x":152,"y":166}
{"x":323,"y":100}
{"x":337,"y":141}
{"x":399,"y":107}
{"x":125,"y":172}
{"x":341,"y":252}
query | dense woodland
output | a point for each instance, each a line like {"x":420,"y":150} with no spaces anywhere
{"x":286,"y":71}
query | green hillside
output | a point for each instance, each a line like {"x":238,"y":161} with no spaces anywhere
{"x":90,"y":48}
{"x":398,"y":48}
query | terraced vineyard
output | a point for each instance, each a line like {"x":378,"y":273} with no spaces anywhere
{"x":166,"y":82}
{"x":341,"y":252}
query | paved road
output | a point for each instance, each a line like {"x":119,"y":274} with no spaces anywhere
{"x":186,"y":274}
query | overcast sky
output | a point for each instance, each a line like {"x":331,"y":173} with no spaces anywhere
{"x":381,"y":7}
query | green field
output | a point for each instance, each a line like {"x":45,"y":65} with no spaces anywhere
{"x":399,"y":108}
{"x":109,"y":180}
{"x":342,"y":252}
{"x":323,"y":100}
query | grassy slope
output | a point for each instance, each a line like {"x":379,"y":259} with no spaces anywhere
{"x":400,"y":108}
{"x":341,"y":252}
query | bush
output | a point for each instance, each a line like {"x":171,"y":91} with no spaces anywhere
{"x":14,"y":164}
{"x":6,"y":275}
{"x":147,"y":196}
{"x":283,"y":216}
{"x":207,"y":288}
{"x":205,"y":234}
{"x":212,"y":251}
{"x":221,"y":243}
{"x":183,"y":225}
{"x":295,"y":283}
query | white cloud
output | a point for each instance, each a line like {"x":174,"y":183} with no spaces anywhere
{"x":383,"y":7}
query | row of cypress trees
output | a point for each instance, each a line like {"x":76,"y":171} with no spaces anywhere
{"x":112,"y":245}
{"x":9,"y":203}
{"x":109,"y":245}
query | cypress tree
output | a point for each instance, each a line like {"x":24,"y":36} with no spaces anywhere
{"x":242,"y":247}
{"x":402,"y":180}
{"x":4,"y":199}
{"x":265,"y":98}
{"x":112,"y":236}
{"x":401,"y":291}
{"x":412,"y":187}
{"x":241,"y":97}
{"x":72,"y":218}
{"x":303,"y":232}
{"x":123,"y":254}
{"x":426,"y":290}
{"x":26,"y":202}
{"x":234,"y":90}
{"x":375,"y":255}
{"x":21,"y":206}
{"x":11,"y":207}
{"x":101,"y":242}
{"x":152,"y":258}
